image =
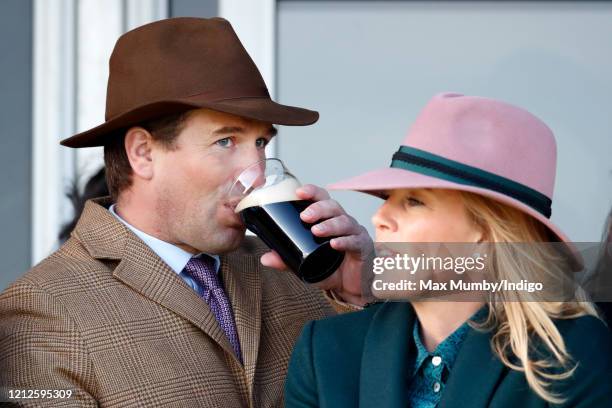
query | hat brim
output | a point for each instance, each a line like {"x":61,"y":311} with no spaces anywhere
{"x":380,"y":181}
{"x":258,"y":108}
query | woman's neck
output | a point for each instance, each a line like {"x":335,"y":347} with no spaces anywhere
{"x":440,"y":319}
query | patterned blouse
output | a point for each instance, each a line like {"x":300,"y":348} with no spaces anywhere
{"x":431,"y":369}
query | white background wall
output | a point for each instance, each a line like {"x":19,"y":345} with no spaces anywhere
{"x":369,"y":67}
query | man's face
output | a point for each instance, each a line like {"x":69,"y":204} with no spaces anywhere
{"x":191,"y":181}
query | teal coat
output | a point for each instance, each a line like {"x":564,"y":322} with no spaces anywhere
{"x":359,"y":360}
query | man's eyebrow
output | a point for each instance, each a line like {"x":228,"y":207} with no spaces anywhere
{"x":228,"y":130}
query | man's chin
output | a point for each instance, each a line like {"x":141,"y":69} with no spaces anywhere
{"x":233,"y":237}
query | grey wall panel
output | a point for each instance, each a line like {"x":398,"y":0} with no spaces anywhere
{"x":15,"y":137}
{"x":369,"y":67}
{"x":193,"y":8}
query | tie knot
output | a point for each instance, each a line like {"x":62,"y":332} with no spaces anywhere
{"x":202,"y":270}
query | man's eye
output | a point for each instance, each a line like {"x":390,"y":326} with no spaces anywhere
{"x":225,"y":142}
{"x":261,"y":142}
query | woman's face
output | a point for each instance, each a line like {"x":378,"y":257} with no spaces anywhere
{"x":425,"y":215}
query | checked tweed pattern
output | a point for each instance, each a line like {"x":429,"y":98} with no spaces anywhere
{"x":202,"y":270}
{"x":104,"y":316}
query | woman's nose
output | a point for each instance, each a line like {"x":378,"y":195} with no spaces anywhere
{"x":382,"y":219}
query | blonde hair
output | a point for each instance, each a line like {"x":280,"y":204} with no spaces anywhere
{"x":519,"y":320}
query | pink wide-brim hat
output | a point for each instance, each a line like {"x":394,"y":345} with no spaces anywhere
{"x":479,"y":145}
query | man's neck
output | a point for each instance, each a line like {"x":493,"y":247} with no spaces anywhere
{"x":141,"y":220}
{"x":440,"y":319}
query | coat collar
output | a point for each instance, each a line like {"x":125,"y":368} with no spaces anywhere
{"x":475,"y":373}
{"x":386,"y":352}
{"x":105,"y":237}
{"x":388,"y":348}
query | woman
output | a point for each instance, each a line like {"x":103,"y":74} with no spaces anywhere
{"x":470,"y":170}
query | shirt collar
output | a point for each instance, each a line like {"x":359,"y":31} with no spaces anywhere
{"x":449,"y":348}
{"x":175,"y":257}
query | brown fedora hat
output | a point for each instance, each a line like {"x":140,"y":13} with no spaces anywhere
{"x":179,"y":64}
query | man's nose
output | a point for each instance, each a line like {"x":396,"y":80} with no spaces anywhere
{"x":252,"y":155}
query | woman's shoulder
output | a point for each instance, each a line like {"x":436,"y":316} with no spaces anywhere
{"x":346,"y":323}
{"x":588,"y":341}
{"x":352,"y":328}
{"x":585,"y":331}
{"x":589,"y":344}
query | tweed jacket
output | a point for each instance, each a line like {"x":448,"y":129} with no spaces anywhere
{"x":105,"y":317}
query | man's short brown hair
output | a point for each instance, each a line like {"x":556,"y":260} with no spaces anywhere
{"x":118,"y":169}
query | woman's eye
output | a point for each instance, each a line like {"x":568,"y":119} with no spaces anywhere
{"x":225,"y":142}
{"x":261,"y":142}
{"x":413,"y":202}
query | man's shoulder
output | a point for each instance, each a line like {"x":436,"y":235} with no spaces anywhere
{"x":73,"y":263}
{"x":252,"y":246}
{"x":68,"y":266}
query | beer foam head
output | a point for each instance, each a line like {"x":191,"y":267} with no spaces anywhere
{"x":276,"y":193}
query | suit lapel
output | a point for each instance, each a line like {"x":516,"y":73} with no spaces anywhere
{"x":241,"y":276}
{"x":141,"y":269}
{"x":474,"y":375}
{"x":386,"y":352}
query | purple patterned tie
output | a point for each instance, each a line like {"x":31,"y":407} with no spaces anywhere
{"x":202,"y":270}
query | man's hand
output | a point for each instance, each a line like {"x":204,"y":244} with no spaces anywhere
{"x":350,"y":237}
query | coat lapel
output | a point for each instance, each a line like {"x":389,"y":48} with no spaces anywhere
{"x":386,"y":352}
{"x":474,"y":375}
{"x":241,"y":276}
{"x":141,"y":269}
{"x":388,"y":348}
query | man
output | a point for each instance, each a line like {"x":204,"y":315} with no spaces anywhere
{"x":158,"y":299}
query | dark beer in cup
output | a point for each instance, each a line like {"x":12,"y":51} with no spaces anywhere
{"x":272,"y":212}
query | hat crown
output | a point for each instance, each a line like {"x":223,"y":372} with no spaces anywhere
{"x":490,"y":135}
{"x":205,"y":54}
{"x":179,"y":64}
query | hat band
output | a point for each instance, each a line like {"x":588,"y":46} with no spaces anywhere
{"x":420,"y":161}
{"x":218,"y":95}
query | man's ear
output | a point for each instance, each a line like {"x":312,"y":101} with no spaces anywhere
{"x":138,"y":146}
